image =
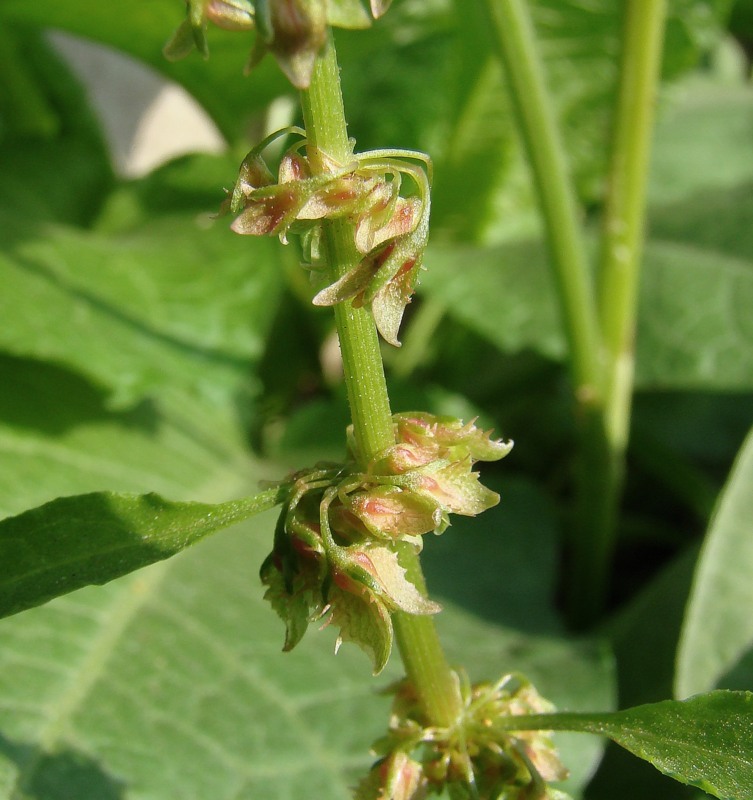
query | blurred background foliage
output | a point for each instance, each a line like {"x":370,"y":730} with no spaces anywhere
{"x":145,"y":347}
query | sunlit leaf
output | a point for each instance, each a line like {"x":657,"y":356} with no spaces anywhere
{"x":718,"y":626}
{"x":706,"y":741}
{"x":75,"y":541}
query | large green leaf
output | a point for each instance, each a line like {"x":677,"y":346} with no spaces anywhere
{"x":58,"y":437}
{"x":53,"y":160}
{"x":706,"y":741}
{"x":170,"y":303}
{"x":694,"y":330}
{"x":706,"y":123}
{"x":718,"y":626}
{"x":170,"y":683}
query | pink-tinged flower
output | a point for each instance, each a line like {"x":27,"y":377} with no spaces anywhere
{"x":454,"y":487}
{"x":269,"y":211}
{"x":389,"y":512}
{"x":232,"y":15}
{"x":454,"y":438}
{"x":374,"y":572}
{"x":388,"y":217}
{"x":368,"y":583}
{"x":396,"y":777}
{"x":404,"y":457}
{"x":364,"y":621}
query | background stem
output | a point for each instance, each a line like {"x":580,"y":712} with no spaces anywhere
{"x":623,"y":224}
{"x":417,"y":639}
{"x":599,"y":330}
{"x":513,"y":35}
{"x":618,"y":278}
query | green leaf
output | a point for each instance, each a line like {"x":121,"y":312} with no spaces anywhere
{"x":74,"y":541}
{"x":58,"y":437}
{"x":171,"y":683}
{"x":707,"y":123}
{"x":718,"y":626}
{"x":168,"y":304}
{"x":706,"y":741}
{"x":693,"y":330}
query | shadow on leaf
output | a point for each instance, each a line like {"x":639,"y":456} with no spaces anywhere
{"x":65,"y":775}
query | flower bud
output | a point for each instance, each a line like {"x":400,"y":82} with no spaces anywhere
{"x":396,"y":777}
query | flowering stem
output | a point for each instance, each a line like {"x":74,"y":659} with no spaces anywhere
{"x":326,"y":131}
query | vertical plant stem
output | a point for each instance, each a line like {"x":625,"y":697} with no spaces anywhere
{"x":324,"y":118}
{"x":618,"y":278}
{"x":623,"y":226}
{"x":514,"y":36}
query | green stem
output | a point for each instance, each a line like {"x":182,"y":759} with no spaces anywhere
{"x":514,"y":38}
{"x":417,"y":638}
{"x":622,"y":244}
{"x":624,"y":217}
{"x":324,"y":118}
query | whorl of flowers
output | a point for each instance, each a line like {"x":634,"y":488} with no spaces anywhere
{"x":294,"y":31}
{"x":336,"y":546}
{"x":389,"y":231}
{"x":475,"y":758}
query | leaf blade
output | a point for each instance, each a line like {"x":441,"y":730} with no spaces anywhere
{"x":72,"y":542}
{"x":705,"y":741}
{"x":718,"y":628}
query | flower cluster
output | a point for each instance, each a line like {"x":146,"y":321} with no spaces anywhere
{"x":476,"y":757}
{"x":338,"y":538}
{"x":390,"y":231}
{"x":294,"y":31}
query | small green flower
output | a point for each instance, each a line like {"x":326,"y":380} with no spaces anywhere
{"x":390,"y":230}
{"x":335,"y":555}
{"x":474,"y":758}
{"x":395,"y":777}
